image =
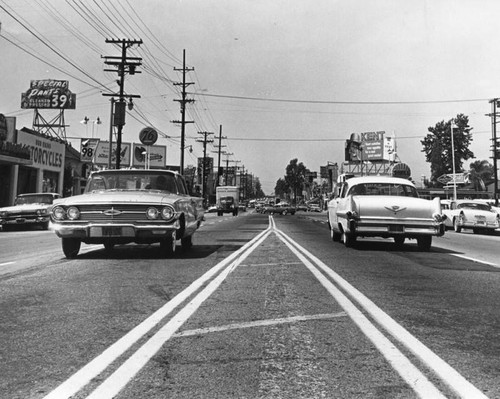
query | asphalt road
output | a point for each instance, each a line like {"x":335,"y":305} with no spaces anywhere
{"x":259,"y":308}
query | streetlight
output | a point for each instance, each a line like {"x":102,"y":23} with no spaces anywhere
{"x":85,"y":122}
{"x":453,"y":126}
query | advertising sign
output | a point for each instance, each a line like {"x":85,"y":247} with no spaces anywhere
{"x":148,"y":136}
{"x":46,"y":154}
{"x":48,"y":93}
{"x":157,"y":156}
{"x":88,"y":149}
{"x":102,"y":154}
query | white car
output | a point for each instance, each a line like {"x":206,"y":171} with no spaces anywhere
{"x":471,"y":214}
{"x":383,"y":206}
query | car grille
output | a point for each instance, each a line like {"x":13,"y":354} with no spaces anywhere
{"x":26,"y":214}
{"x":117,"y":213}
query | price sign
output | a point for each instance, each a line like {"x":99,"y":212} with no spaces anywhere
{"x":148,"y":136}
{"x":88,"y":149}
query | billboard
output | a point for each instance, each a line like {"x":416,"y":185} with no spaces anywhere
{"x":48,"y":93}
{"x":102,"y":154}
{"x":371,"y":146}
{"x":157,"y":156}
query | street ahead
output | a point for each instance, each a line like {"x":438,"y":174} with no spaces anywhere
{"x":261,"y":306}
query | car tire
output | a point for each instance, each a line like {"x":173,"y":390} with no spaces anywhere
{"x":109,"y":246}
{"x":399,"y":241}
{"x":424,"y":243}
{"x":349,"y":239}
{"x":168,"y":245}
{"x":334,"y":235}
{"x":456,"y":224}
{"x":71,"y":247}
{"x":187,"y":242}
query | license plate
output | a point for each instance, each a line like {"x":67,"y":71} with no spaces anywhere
{"x":20,"y":220}
{"x":111,"y":231}
{"x":396,"y":228}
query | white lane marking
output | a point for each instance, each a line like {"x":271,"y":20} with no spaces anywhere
{"x":258,"y":323}
{"x":403,"y":366}
{"x":476,"y":260}
{"x":449,"y":375}
{"x":126,"y":372}
{"x":96,"y":366}
{"x":6,"y":263}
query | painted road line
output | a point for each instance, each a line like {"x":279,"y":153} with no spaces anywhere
{"x":270,"y":264}
{"x":6,"y":263}
{"x":476,"y":260}
{"x":112,"y":385}
{"x":455,"y":381}
{"x":258,"y":323}
{"x":399,"y":362}
{"x":96,"y":366}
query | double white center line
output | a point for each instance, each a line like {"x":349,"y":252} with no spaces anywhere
{"x":340,"y":289}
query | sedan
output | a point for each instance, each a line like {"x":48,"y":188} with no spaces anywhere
{"x":124,"y":206}
{"x":383,"y":206}
{"x":474,"y":215}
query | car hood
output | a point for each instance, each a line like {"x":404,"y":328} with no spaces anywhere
{"x":24,"y":207}
{"x":397,"y":207}
{"x":118,"y":197}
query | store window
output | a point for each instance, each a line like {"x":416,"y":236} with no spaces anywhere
{"x":49,"y":182}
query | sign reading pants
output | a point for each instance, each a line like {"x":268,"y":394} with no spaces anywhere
{"x":46,"y":174}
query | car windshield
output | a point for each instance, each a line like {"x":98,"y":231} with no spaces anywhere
{"x":227,"y":200}
{"x":392,"y":189}
{"x":131,"y":180}
{"x":34,"y":199}
{"x":475,"y":206}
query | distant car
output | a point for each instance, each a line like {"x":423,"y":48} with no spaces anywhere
{"x":28,"y":210}
{"x":121,"y":206}
{"x":301,"y":207}
{"x":212,"y":209}
{"x":383,"y":206}
{"x":474,"y":215}
{"x":313,"y":208}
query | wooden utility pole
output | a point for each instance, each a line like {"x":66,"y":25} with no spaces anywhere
{"x":204,"y":173}
{"x":219,"y":155}
{"x":183,"y":102}
{"x":123,"y":66}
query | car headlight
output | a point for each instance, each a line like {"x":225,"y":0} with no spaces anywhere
{"x":3,"y":214}
{"x":58,"y":213}
{"x":167,"y":213}
{"x":152,"y":213}
{"x":73,"y":213}
{"x":41,"y":212}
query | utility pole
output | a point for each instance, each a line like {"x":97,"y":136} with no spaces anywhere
{"x":235,"y":170}
{"x":495,"y":146}
{"x":123,"y":66}
{"x":219,"y":151}
{"x":183,"y":102}
{"x":204,"y":168}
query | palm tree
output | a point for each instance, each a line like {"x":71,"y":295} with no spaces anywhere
{"x":481,"y":171}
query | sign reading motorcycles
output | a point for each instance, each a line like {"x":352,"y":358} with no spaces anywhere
{"x":48,"y":93}
{"x":46,"y":154}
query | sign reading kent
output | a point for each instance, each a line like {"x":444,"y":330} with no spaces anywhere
{"x":48,"y":93}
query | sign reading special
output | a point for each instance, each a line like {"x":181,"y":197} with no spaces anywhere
{"x":45,"y":154}
{"x":48,"y":93}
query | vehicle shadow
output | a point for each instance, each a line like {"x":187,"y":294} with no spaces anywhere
{"x":134,"y":251}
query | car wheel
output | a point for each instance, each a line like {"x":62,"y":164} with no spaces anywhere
{"x":348,"y":239}
{"x":109,"y":246}
{"x":457,"y":224}
{"x":71,"y":247}
{"x":424,"y":243}
{"x":187,"y":242}
{"x":167,"y":245}
{"x":399,"y":241}
{"x":334,"y":235}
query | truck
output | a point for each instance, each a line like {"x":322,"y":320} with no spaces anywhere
{"x":227,"y":199}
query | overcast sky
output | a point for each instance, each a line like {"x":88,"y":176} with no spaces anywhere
{"x":285,"y":79}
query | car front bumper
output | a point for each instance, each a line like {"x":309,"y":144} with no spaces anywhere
{"x":100,"y":232}
{"x":20,"y":220}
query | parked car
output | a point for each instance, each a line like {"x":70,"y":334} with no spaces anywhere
{"x":475,"y":215}
{"x":301,"y":207}
{"x":313,"y":208}
{"x":28,"y":210}
{"x":383,"y":206}
{"x":123,"y":206}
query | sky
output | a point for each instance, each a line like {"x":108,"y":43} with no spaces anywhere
{"x":283,"y":79}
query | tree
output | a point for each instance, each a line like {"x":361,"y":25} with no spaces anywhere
{"x":281,"y":189}
{"x":258,"y":189}
{"x":437,"y":146}
{"x":480,"y":172}
{"x":295,"y":176}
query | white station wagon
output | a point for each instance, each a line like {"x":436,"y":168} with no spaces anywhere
{"x":383,"y":206}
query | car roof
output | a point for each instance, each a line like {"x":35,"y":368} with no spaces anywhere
{"x":133,"y":170}
{"x":34,"y":194}
{"x":378,"y":179}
